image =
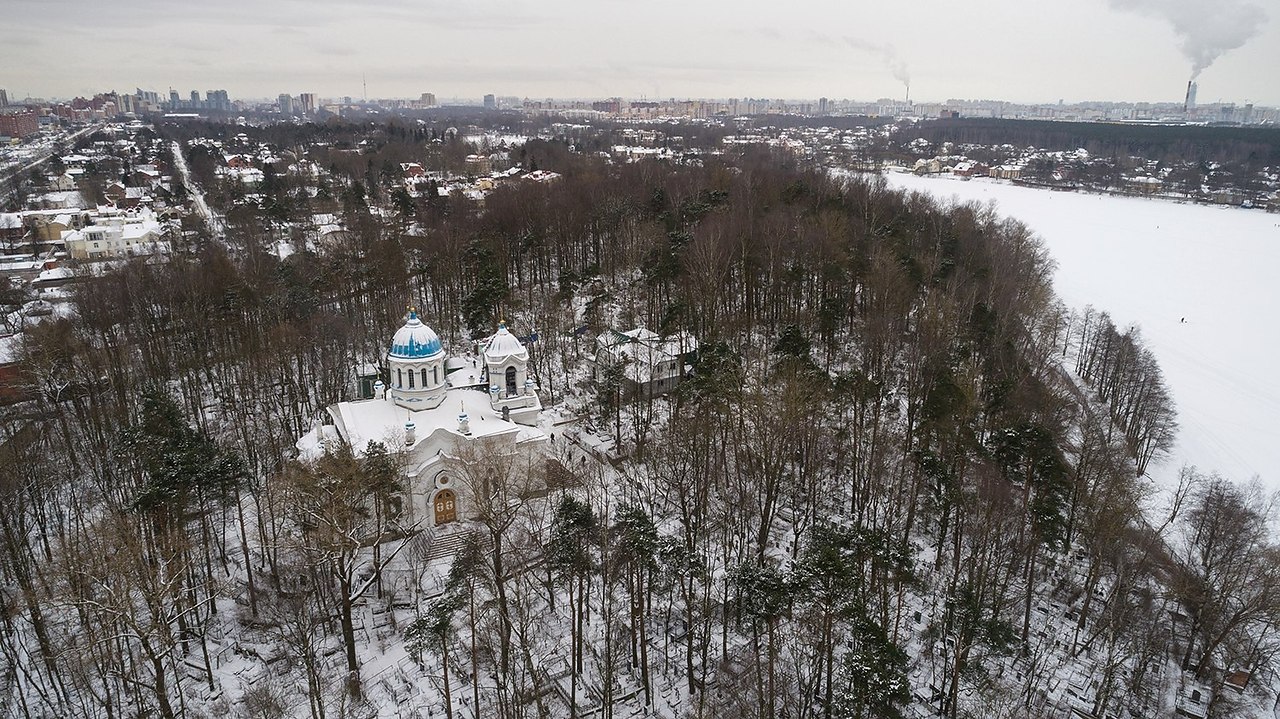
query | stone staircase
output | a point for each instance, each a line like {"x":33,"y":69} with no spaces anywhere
{"x":447,"y":542}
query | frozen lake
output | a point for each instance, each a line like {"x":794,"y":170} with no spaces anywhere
{"x":1152,"y":263}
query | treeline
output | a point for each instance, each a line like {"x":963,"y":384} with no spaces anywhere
{"x":874,"y":489}
{"x":1252,"y":147}
{"x":348,"y":131}
{"x":839,"y":122}
{"x":1127,"y":378}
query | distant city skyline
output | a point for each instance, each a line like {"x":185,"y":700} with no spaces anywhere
{"x":1092,"y":50}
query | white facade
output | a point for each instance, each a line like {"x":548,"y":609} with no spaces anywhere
{"x":651,"y":364}
{"x":511,"y":390}
{"x":116,"y":235}
{"x":432,"y":424}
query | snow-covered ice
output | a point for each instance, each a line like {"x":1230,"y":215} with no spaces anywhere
{"x":1152,"y":263}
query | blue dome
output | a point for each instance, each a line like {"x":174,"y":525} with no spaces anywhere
{"x":415,"y":340}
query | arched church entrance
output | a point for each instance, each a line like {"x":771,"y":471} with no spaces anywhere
{"x":446,"y":507}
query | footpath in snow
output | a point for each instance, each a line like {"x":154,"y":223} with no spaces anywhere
{"x":196,"y":194}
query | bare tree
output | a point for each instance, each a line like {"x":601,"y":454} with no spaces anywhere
{"x":333,"y":501}
{"x":497,"y":480}
{"x":1230,"y":570}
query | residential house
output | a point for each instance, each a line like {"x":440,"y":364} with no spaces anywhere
{"x":127,"y":198}
{"x":966,"y":168}
{"x":63,"y":182}
{"x":11,"y":227}
{"x":1143,"y":185}
{"x":1227,"y":197}
{"x":115,"y":193}
{"x":931,"y":166}
{"x":49,"y":226}
{"x":651,"y":365}
{"x":1006,"y":172}
{"x":249,"y":176}
{"x":540,"y":176}
{"x":116,"y":235}
{"x":477,"y":165}
{"x":145,"y":176}
{"x":52,"y":278}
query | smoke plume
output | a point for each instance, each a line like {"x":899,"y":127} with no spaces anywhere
{"x":1208,"y":28}
{"x":886,"y":53}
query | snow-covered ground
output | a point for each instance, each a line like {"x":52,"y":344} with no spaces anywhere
{"x":197,"y":195}
{"x":1152,"y":263}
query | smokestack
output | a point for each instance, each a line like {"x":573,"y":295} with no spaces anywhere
{"x":908,"y":92}
{"x":1186,"y":104}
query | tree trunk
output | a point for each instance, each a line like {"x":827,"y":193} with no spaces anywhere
{"x":504,"y":620}
{"x":349,"y":638}
{"x":444,"y":661}
{"x":475,"y":670}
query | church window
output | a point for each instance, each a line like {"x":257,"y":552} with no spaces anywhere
{"x":424,"y":377}
{"x":399,"y":377}
{"x":511,"y":381}
{"x":435,"y":374}
{"x":410,"y":379}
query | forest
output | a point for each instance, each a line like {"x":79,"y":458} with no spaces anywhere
{"x":1251,"y":147}
{"x":901,"y":479}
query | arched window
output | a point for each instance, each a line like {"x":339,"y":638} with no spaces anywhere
{"x":399,"y":377}
{"x":424,"y":377}
{"x":511,"y":381}
{"x":435,"y":374}
{"x":410,"y":379}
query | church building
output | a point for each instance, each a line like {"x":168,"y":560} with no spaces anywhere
{"x":435,"y":408}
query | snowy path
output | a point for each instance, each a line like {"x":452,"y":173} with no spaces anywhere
{"x":1153,"y":263}
{"x":197,"y":195}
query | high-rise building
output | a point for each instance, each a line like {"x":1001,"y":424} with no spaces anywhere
{"x":490,"y":102}
{"x":428,"y":99}
{"x":823,"y":105}
{"x":195,"y":99}
{"x":217,"y":100}
{"x":307,"y":103}
{"x":4,"y":99}
{"x":19,"y":124}
{"x":173,"y":99}
{"x":285,"y":103}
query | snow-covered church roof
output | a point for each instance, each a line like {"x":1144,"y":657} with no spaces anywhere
{"x":415,"y":340}
{"x":503,"y":345}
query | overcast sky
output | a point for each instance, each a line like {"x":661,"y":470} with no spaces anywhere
{"x":1020,"y":50}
